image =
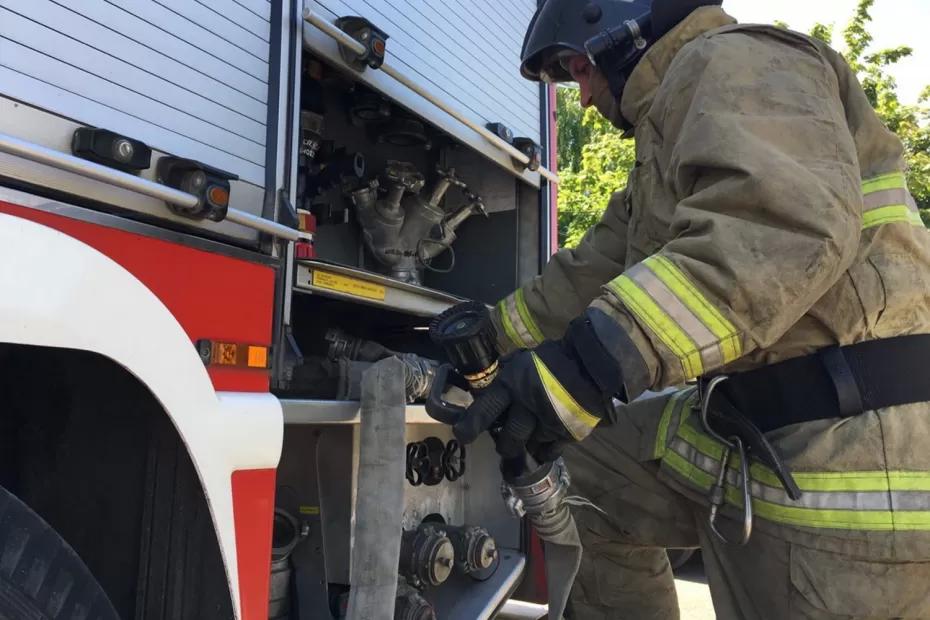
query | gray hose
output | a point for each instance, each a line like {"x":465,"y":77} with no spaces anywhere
{"x":379,"y":502}
{"x":563,"y":558}
{"x":542,"y":496}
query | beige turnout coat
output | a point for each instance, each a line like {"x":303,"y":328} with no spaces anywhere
{"x":767,"y":217}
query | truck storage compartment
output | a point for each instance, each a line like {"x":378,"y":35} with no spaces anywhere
{"x":408,"y":221}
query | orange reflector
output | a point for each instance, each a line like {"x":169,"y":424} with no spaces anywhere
{"x":379,"y":47}
{"x":218,"y":196}
{"x":258,"y":357}
{"x":233,"y":354}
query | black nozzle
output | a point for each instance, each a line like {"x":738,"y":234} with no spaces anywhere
{"x":466,"y":335}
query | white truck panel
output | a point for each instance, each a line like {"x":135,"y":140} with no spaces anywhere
{"x":189,"y":78}
{"x":98,"y":306}
{"x":465,"y":51}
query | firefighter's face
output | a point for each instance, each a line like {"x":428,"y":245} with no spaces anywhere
{"x":582,"y":71}
{"x":594,"y":89}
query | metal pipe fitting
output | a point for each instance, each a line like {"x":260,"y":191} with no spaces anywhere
{"x":475,"y":548}
{"x":538,"y":496}
{"x":426,"y":555}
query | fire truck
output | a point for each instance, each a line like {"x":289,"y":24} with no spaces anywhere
{"x":214,"y":215}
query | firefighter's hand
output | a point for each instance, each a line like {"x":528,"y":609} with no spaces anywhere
{"x":540,"y":400}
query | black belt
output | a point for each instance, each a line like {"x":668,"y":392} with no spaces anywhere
{"x":836,"y":382}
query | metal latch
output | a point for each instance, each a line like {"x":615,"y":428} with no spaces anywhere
{"x":370,"y":36}
{"x":533,"y":151}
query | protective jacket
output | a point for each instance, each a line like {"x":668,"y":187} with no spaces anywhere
{"x":767,"y":216}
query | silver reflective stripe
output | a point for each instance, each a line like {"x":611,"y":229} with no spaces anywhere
{"x":510,"y":307}
{"x":574,"y":417}
{"x":817,"y":500}
{"x":885,"y":198}
{"x":706,"y":343}
{"x":578,"y":429}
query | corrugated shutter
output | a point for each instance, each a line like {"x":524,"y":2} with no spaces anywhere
{"x":188,"y":77}
{"x":467,"y":51}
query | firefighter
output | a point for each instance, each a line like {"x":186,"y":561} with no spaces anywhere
{"x":767,"y":256}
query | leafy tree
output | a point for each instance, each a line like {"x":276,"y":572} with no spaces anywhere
{"x":595,"y":163}
{"x":910,"y":122}
{"x":594,"y":159}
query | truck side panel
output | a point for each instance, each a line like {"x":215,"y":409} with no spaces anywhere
{"x":213,"y":297}
{"x":120,"y":65}
{"x":465,"y":52}
{"x":61,"y":292}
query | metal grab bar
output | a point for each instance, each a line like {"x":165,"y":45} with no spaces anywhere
{"x":69,"y":163}
{"x":346,"y":40}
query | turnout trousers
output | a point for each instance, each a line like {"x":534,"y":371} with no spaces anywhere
{"x":856,"y":545}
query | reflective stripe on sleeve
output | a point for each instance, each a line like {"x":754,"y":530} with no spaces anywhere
{"x":518,"y":322}
{"x":886,"y":200}
{"x":857,"y":500}
{"x":665,"y":300}
{"x":576,"y":419}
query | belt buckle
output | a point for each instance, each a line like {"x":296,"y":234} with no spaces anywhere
{"x":717,"y":493}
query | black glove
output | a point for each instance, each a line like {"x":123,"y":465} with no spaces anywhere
{"x":544,"y":397}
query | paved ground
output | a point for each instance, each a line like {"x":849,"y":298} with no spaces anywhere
{"x":693,"y":595}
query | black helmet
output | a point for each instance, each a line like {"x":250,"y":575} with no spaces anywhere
{"x":563,"y":27}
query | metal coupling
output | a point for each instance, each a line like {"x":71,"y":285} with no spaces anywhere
{"x":475,"y":548}
{"x":426,"y":555}
{"x":538,"y":496}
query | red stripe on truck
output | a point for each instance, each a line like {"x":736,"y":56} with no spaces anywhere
{"x":213,"y":297}
{"x":253,"y":511}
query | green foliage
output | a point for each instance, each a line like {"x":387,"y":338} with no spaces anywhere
{"x":573,"y":133}
{"x":910,"y":122}
{"x":824,"y":32}
{"x":594,"y":160}
{"x":591,"y":169}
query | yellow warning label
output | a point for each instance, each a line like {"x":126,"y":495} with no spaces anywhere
{"x":309,"y":510}
{"x":350,"y":286}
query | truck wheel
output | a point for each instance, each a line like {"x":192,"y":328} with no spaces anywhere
{"x":41,"y":577}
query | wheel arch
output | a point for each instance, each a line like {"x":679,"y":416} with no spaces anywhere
{"x":57,"y":292}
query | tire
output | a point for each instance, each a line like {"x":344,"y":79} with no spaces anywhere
{"x":41,"y":577}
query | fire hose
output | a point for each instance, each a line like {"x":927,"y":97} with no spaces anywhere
{"x":533,"y":490}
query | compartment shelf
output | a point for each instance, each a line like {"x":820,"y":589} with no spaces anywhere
{"x":372,"y":289}
{"x":339,"y":412}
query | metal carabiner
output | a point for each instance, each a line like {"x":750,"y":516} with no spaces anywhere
{"x":705,"y":393}
{"x":717,"y":494}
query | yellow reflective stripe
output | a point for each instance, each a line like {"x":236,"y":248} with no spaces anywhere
{"x":908,"y":480}
{"x":661,"y":324}
{"x":674,"y":403}
{"x":527,"y":318}
{"x":863,"y":481}
{"x":508,"y":327}
{"x":575,"y":418}
{"x":911,"y":520}
{"x":889,"y":215}
{"x":875,"y":520}
{"x":893,"y":180}
{"x":678,"y":282}
{"x":887,"y":201}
